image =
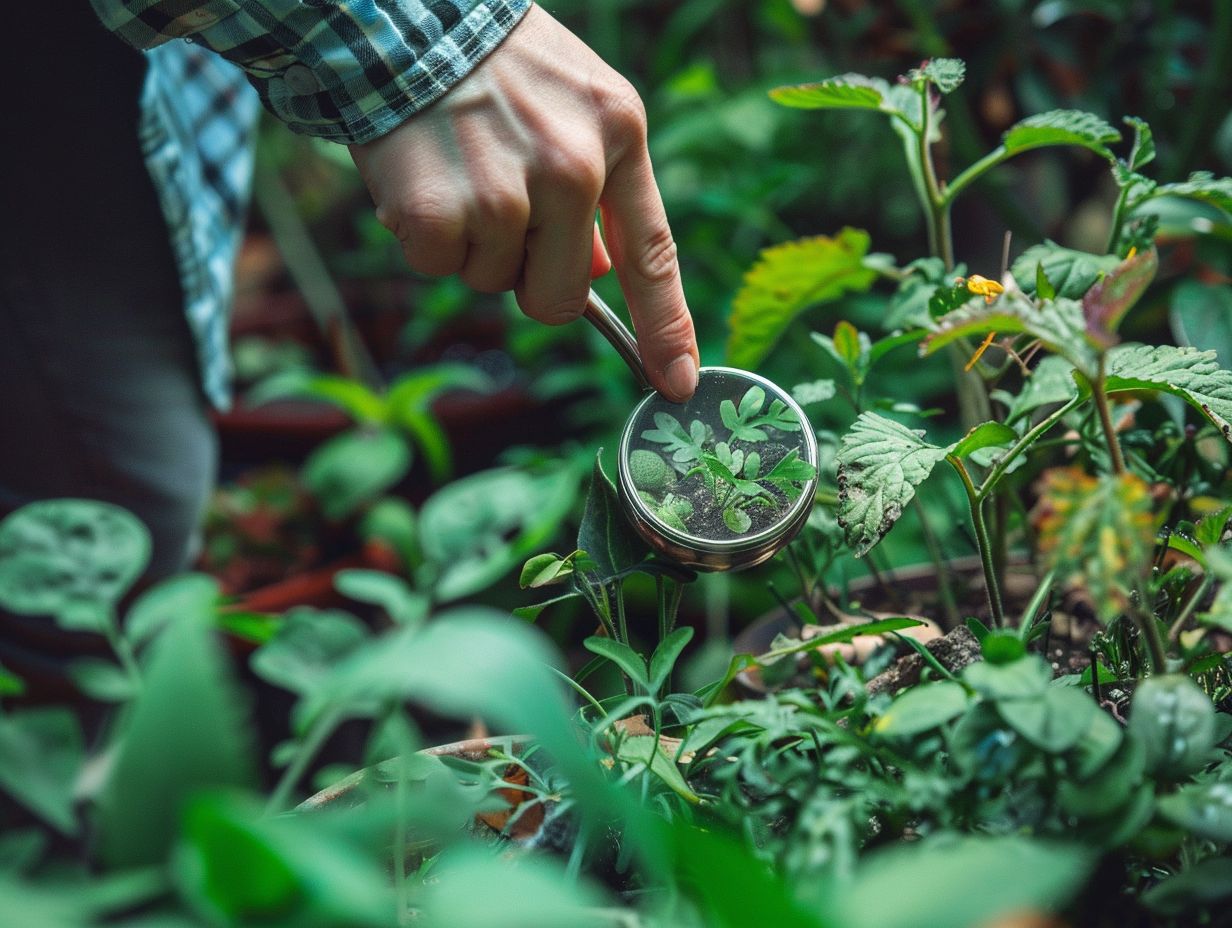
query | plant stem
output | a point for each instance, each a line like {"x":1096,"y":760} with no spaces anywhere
{"x":938,"y":209}
{"x":1105,"y":419}
{"x":1150,"y":633}
{"x":998,"y":471}
{"x":1174,"y":633}
{"x":313,"y":743}
{"x":618,"y":590}
{"x":981,"y":536}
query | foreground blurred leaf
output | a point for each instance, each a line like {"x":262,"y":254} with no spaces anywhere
{"x":1175,"y":721}
{"x":788,"y":279}
{"x":185,"y":732}
{"x":1097,"y":532}
{"x":70,"y":558}
{"x":41,"y":754}
{"x":187,"y":596}
{"x":961,"y":882}
{"x":236,"y":868}
{"x":307,"y":646}
{"x":355,"y":468}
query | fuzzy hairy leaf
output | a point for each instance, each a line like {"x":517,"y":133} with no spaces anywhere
{"x":1194,"y":376}
{"x":1071,"y":273}
{"x":1097,"y":532}
{"x":1202,"y":186}
{"x":1061,"y":127}
{"x":946,"y":74}
{"x":1058,"y":324}
{"x":880,"y":463}
{"x":786,"y":280}
{"x":844,"y":92}
{"x":1050,"y":383}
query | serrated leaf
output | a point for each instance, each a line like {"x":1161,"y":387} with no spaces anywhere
{"x":1202,"y":186}
{"x":1061,"y":127}
{"x":880,"y":463}
{"x":1143,"y":150}
{"x":946,"y":74}
{"x":984,"y":435}
{"x":1194,"y":376}
{"x":815,"y":391}
{"x":1098,"y":532}
{"x":1058,"y":324}
{"x":844,"y":92}
{"x":786,"y":280}
{"x":1071,"y":273}
{"x":1107,"y":302}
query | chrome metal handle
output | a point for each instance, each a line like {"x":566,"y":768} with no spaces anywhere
{"x":611,"y":327}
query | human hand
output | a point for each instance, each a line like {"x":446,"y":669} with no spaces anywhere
{"x":500,"y":179}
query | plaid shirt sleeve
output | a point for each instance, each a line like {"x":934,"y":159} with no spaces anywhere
{"x":345,"y":70}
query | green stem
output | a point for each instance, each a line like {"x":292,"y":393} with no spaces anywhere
{"x":313,"y":743}
{"x":1118,"y":218}
{"x":1150,"y":633}
{"x":938,"y":210}
{"x":998,"y":471}
{"x":618,"y":589}
{"x":973,"y":173}
{"x":1037,"y":601}
{"x":1105,"y":419}
{"x":1174,"y":633}
{"x":981,"y":538}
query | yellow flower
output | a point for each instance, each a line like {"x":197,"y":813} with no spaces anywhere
{"x":982,"y":286}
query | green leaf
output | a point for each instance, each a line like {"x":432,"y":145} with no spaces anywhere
{"x":815,"y":391}
{"x":648,"y":750}
{"x":70,"y":558}
{"x":666,"y":655}
{"x":1142,"y":152}
{"x":1107,"y":302}
{"x":1058,"y":324}
{"x":1044,"y":288}
{"x":984,"y":435}
{"x":237,"y":868}
{"x":43,"y":753}
{"x":880,"y":463}
{"x":307,"y":646}
{"x":1201,"y":316}
{"x":909,"y":306}
{"x":1061,"y":127}
{"x":187,"y":731}
{"x":1202,"y":809}
{"x":1194,"y":376}
{"x":604,"y":533}
{"x":545,"y":570}
{"x":1175,"y":721}
{"x":102,"y":680}
{"x":353,"y":398}
{"x":1050,"y":384}
{"x":922,"y":708}
{"x":737,"y":520}
{"x":946,"y":74}
{"x":1097,"y":532}
{"x":377,"y":588}
{"x":1197,"y":887}
{"x":1070,"y":273}
{"x":187,"y":596}
{"x":1054,"y":720}
{"x":479,"y":527}
{"x":847,"y":344}
{"x":354,"y":468}
{"x":10,"y":683}
{"x":392,"y":522}
{"x":845,"y":92}
{"x":786,"y":280}
{"x":632,"y":664}
{"x":948,"y":881}
{"x":1024,"y":679}
{"x":1201,"y":186}
{"x":531,"y":613}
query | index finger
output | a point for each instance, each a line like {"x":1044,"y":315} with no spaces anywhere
{"x":644,"y":255}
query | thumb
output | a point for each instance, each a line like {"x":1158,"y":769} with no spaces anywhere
{"x":644,"y":255}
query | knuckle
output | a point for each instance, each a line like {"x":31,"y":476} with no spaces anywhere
{"x":553,"y":310}
{"x":577,"y":173}
{"x":655,"y":260}
{"x":623,"y":109}
{"x":501,"y":206}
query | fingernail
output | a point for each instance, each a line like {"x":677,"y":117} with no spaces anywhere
{"x":681,"y":377}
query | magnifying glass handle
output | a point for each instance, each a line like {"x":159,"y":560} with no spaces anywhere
{"x":617,"y":333}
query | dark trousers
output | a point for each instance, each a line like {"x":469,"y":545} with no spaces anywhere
{"x":99,"y":389}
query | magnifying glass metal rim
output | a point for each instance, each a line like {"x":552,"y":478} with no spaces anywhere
{"x":690,"y":550}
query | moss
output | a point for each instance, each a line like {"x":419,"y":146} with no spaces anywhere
{"x":649,"y":471}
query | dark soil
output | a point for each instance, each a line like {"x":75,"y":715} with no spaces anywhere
{"x":707,"y":519}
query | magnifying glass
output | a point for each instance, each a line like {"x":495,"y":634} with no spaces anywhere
{"x":721,"y":482}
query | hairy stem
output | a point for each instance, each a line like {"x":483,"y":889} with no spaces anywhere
{"x":981,"y":537}
{"x":1105,"y":419}
{"x":1028,"y":439}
